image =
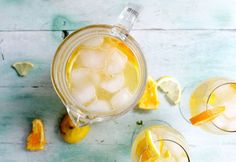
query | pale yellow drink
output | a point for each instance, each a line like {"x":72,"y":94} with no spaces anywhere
{"x":212,"y":93}
{"x":103,"y":74}
{"x":159,"y":143}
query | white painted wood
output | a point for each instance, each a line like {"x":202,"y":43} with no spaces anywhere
{"x":161,"y":14}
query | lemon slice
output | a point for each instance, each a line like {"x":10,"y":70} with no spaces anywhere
{"x":171,"y":87}
{"x":23,"y":68}
{"x":150,"y":148}
{"x":153,"y":144}
{"x":70,"y":133}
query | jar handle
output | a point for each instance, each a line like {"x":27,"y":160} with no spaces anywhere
{"x":78,"y":118}
{"x":126,"y":20}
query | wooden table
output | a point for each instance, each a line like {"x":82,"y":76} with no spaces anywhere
{"x":187,"y":39}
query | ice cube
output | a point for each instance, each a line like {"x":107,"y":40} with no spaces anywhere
{"x":95,"y":78}
{"x":94,"y":59}
{"x":230,"y":112}
{"x":94,"y":42}
{"x":79,"y":77}
{"x":99,"y":106}
{"x":170,"y":159}
{"x":220,"y":121}
{"x":114,"y":84}
{"x":116,"y":62}
{"x":85,"y":94}
{"x":175,"y":149}
{"x":183,"y":158}
{"x":230,"y":125}
{"x":121,"y":98}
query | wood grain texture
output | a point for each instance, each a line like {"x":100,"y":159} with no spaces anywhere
{"x":197,"y":56}
{"x":161,"y":14}
{"x":190,"y":46}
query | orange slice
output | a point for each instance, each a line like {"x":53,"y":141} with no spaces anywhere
{"x":207,"y":115}
{"x":36,"y":139}
{"x":146,"y":155}
{"x":122,"y":47}
{"x":149,"y":100}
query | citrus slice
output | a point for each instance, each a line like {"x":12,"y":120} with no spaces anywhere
{"x":122,"y":47}
{"x":207,"y":115}
{"x":149,"y":100}
{"x":150,"y":150}
{"x":148,"y":147}
{"x":212,"y":99}
{"x":153,"y":144}
{"x":146,"y":155}
{"x":71,"y":133}
{"x":36,"y":139}
{"x":171,"y":87}
{"x":23,"y":68}
{"x":166,"y":154}
{"x":153,"y":159}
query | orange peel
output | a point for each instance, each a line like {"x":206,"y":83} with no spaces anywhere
{"x":207,"y":115}
{"x":149,"y":100}
{"x":36,"y":139}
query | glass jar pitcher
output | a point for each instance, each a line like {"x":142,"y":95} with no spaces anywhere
{"x":99,"y":71}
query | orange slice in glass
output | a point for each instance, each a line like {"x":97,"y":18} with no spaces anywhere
{"x":207,"y":115}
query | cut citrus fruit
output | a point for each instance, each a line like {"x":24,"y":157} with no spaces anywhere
{"x":212,"y":99}
{"x":207,"y":115}
{"x":70,"y":132}
{"x":152,"y":143}
{"x":36,"y":139}
{"x":166,"y":154}
{"x":171,"y":87}
{"x":148,"y":147}
{"x":149,"y":100}
{"x":146,"y":155}
{"x":23,"y":68}
{"x":122,"y":47}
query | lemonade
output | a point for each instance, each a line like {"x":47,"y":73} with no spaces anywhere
{"x":103,"y":75}
{"x":159,"y":143}
{"x":212,"y":93}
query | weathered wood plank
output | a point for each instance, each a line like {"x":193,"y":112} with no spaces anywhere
{"x":184,"y":55}
{"x":20,"y":105}
{"x":163,"y":14}
{"x":187,"y":55}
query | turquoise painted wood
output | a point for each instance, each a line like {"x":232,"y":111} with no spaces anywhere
{"x":196,"y":42}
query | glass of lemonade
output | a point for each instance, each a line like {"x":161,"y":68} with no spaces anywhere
{"x":99,"y":71}
{"x":157,"y":141}
{"x":209,"y":94}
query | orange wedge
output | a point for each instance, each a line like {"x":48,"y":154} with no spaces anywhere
{"x":149,"y":100}
{"x":207,"y":115}
{"x":36,"y":139}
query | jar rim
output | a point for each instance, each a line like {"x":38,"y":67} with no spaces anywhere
{"x":138,"y":55}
